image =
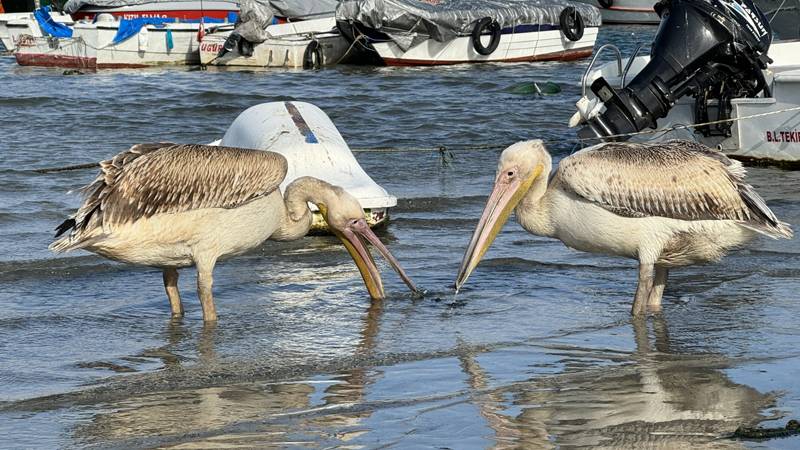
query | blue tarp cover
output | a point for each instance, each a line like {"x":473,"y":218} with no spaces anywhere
{"x":49,"y":26}
{"x":130,"y":27}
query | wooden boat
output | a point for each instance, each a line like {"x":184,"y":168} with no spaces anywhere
{"x":92,"y":46}
{"x":309,"y":140}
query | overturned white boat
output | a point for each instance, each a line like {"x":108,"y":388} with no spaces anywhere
{"x":418,"y":32}
{"x":312,"y":145}
{"x":714,"y":77}
{"x":259,"y":40}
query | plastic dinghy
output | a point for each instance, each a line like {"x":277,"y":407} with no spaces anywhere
{"x":309,"y":140}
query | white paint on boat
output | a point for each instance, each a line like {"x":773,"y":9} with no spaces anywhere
{"x":14,"y":25}
{"x":513,"y":47}
{"x":639,"y":12}
{"x":286,"y":46}
{"x":91,"y":47}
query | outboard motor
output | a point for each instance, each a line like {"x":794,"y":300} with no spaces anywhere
{"x":710,"y":49}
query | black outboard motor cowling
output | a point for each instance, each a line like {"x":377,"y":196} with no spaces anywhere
{"x":704,"y":48}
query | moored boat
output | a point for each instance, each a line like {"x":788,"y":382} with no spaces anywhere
{"x":110,"y":43}
{"x":639,"y":12}
{"x":733,"y":89}
{"x":412,"y":32}
{"x":305,"y":44}
{"x":312,"y":145}
{"x":14,"y":25}
{"x":132,"y":9}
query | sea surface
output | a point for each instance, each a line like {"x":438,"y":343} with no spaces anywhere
{"x":538,"y":350}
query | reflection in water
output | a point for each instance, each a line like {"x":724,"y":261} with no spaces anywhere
{"x":662,"y":399}
{"x":655,"y":398}
{"x":197,"y":418}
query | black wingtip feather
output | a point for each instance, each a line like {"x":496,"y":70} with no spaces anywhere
{"x":65,"y":226}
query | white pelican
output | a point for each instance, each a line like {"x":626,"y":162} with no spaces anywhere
{"x":172,"y":206}
{"x":666,"y":205}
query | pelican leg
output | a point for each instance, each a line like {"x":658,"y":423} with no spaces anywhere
{"x":205,"y":281}
{"x":643,"y":289}
{"x":659,"y":282}
{"x":171,"y":286}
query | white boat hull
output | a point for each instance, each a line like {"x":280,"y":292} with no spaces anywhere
{"x":14,"y":25}
{"x":772,"y":138}
{"x":628,"y":11}
{"x":286,"y":46}
{"x":549,"y":45}
{"x":312,"y":145}
{"x":91,"y":48}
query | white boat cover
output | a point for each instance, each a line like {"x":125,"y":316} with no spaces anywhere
{"x":409,"y":22}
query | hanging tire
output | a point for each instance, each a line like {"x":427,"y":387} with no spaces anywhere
{"x":494,"y":31}
{"x":312,"y":57}
{"x":605,"y":3}
{"x":571,"y":23}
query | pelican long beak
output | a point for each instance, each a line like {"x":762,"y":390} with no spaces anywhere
{"x":504,"y":198}
{"x":355,"y":237}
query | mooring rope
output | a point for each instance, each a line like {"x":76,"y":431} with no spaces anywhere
{"x":445,"y":151}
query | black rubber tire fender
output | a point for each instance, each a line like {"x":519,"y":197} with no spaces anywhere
{"x":571,"y":23}
{"x":312,"y":57}
{"x":494,"y":29}
{"x":605,"y":3}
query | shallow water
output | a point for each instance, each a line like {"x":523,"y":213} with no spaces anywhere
{"x":537,"y":351}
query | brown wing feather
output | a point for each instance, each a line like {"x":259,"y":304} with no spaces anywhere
{"x":676,"y":179}
{"x":164,"y":178}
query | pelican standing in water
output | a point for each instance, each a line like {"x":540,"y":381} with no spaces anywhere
{"x":666,"y":205}
{"x":172,"y":206}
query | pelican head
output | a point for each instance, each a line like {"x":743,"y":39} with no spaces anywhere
{"x":345,"y":217}
{"x":520,"y":166}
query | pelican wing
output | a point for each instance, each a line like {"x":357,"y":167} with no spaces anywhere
{"x":676,"y":179}
{"x":151,"y":179}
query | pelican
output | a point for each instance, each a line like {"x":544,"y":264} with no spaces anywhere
{"x":667,"y":205}
{"x":174,"y":206}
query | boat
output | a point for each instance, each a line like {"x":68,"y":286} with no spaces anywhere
{"x":305,"y":44}
{"x":419,"y":32}
{"x":223,"y":10}
{"x":733,"y":89}
{"x":110,"y":43}
{"x":313,"y":146}
{"x":639,"y":12}
{"x":14,"y":25}
{"x":258,"y":40}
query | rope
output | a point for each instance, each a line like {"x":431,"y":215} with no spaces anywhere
{"x":446,"y":155}
{"x":353,"y":44}
{"x":693,"y":125}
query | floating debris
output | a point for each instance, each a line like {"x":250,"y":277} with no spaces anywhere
{"x":73,"y":72}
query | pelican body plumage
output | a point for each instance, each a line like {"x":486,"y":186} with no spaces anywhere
{"x":666,"y":205}
{"x":172,"y":206}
